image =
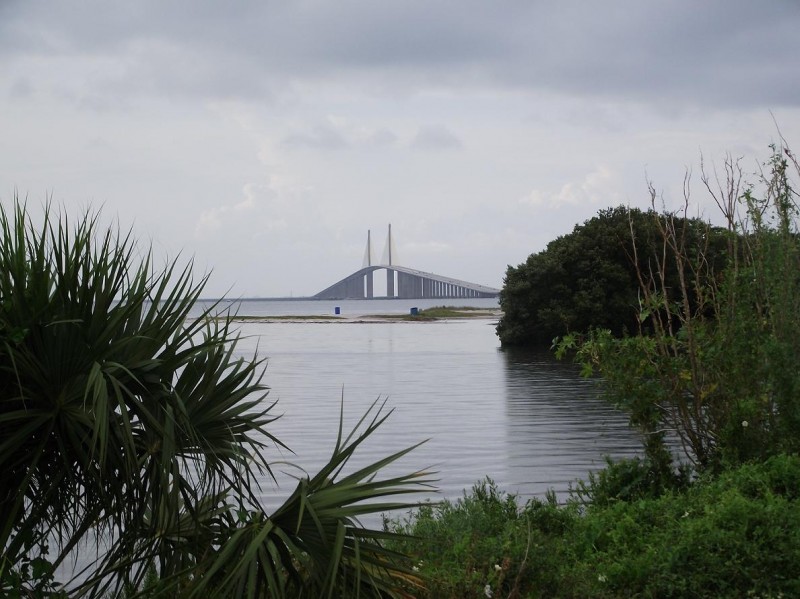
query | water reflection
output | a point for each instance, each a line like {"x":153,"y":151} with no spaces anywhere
{"x":558,"y":429}
{"x":528,"y":421}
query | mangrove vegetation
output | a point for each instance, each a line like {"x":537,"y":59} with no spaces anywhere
{"x":694,"y":331}
{"x":589,"y":278}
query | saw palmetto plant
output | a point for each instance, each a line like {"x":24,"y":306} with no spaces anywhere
{"x":128,"y":422}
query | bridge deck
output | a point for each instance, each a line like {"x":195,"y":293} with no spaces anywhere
{"x":410,"y":284}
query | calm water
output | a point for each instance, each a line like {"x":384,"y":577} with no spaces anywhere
{"x":526,"y":420}
{"x":301,"y":307}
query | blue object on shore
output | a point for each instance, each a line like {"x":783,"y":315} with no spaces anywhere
{"x":337,"y":310}
{"x":414,"y":311}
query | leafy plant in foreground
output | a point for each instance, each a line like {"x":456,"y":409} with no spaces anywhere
{"x":714,"y":361}
{"x":129,"y":423}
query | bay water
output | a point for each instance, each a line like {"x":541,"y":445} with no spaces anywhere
{"x":526,"y":420}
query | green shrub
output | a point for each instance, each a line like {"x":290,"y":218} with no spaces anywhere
{"x":727,"y":537}
{"x":714,"y":359}
{"x":589,"y":277}
{"x":630,"y":480}
{"x":734,"y":535}
{"x":486,"y":538}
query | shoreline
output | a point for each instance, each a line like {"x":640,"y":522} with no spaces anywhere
{"x":479,"y":314}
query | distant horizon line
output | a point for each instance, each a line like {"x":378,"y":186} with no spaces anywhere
{"x":319,"y":299}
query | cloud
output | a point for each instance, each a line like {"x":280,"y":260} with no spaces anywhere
{"x":21,"y":88}
{"x":381,"y":138}
{"x":239,"y":132}
{"x":733,"y":52}
{"x":209,"y":221}
{"x":259,"y":207}
{"x":435,"y":137}
{"x":253,"y":193}
{"x":599,"y":187}
{"x":323,"y":136}
{"x":338,"y":133}
{"x":426,"y":248}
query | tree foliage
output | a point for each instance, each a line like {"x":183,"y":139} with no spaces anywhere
{"x":717,"y":366}
{"x":129,"y":423}
{"x":588,"y":278}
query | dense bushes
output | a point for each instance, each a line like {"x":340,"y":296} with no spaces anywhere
{"x":485,"y":540}
{"x":725,"y":537}
{"x":590,"y":277}
{"x":709,"y":354}
{"x":717,"y":364}
{"x":631,"y":480}
{"x":735,"y":535}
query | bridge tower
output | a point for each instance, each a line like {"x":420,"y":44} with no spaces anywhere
{"x":367,"y":263}
{"x":389,"y":271}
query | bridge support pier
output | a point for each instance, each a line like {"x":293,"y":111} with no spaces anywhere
{"x":389,"y":282}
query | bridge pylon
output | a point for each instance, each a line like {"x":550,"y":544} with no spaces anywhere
{"x":411,"y":283}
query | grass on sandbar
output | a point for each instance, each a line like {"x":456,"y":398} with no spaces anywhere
{"x":438,"y":312}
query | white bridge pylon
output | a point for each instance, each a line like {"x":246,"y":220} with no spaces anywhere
{"x":401,"y":282}
{"x":389,"y":252}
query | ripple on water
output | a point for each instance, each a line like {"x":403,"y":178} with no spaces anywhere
{"x":529,"y":422}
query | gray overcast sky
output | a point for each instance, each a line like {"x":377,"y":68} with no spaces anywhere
{"x":264,"y":138}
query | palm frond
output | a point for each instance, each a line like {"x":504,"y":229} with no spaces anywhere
{"x":126,"y":421}
{"x":112,"y":400}
{"x":314,"y":542}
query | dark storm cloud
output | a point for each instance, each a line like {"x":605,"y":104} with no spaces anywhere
{"x":724,"y":52}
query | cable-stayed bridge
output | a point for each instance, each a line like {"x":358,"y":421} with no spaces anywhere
{"x":401,"y":282}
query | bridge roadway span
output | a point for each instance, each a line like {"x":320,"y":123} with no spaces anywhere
{"x":411,"y":284}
